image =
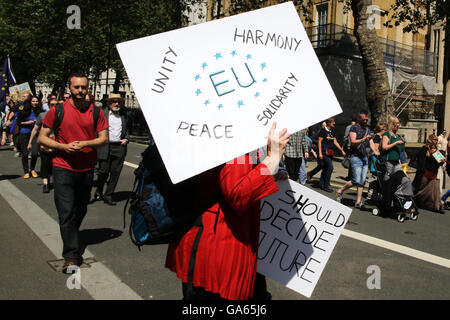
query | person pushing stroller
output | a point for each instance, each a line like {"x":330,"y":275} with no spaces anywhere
{"x":396,"y":187}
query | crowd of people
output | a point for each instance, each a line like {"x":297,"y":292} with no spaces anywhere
{"x":67,"y":135}
{"x":365,"y":149}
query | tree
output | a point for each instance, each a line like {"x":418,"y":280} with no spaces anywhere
{"x":43,"y":48}
{"x":378,"y":94}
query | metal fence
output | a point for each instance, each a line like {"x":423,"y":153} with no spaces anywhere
{"x":396,"y":54}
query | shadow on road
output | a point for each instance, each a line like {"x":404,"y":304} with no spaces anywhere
{"x":96,"y":236}
{"x":9,"y":176}
{"x":121,"y":196}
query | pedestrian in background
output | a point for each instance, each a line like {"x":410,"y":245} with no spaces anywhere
{"x":346,"y":144}
{"x":427,"y":193}
{"x":327,"y":144}
{"x":296,"y":153}
{"x":314,"y":134}
{"x":361,"y":141}
{"x":26,"y":120}
{"x":442,"y":148}
{"x":45,"y":153}
{"x":111,"y":156}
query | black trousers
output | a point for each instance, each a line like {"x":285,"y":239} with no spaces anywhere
{"x":72,"y":194}
{"x":293,"y":167}
{"x":317,"y":169}
{"x":109,"y":169}
{"x":23,"y":143}
{"x":46,"y":164}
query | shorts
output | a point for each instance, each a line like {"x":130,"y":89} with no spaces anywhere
{"x":359,"y":170}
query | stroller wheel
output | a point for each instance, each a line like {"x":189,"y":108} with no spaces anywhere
{"x":414,"y":216}
{"x":375,"y":212}
{"x":401,"y":217}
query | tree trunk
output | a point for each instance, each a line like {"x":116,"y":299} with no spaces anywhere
{"x":117,"y":80}
{"x":378,"y":93}
{"x":210,"y":10}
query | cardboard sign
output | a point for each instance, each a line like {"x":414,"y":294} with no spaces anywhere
{"x":299,"y":230}
{"x":16,"y":92}
{"x":210,"y":92}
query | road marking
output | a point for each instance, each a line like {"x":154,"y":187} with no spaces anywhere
{"x":98,"y":280}
{"x":398,"y":248}
{"x":130,"y":164}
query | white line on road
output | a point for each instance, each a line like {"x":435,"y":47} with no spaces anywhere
{"x":130,"y":164}
{"x":385,"y":244}
{"x":98,"y":280}
{"x":398,"y":248}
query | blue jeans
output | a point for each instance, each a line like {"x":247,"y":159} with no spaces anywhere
{"x":325,"y":176}
{"x":446,"y":195}
{"x":359,"y":170}
{"x":72,"y":194}
{"x":302,"y":172}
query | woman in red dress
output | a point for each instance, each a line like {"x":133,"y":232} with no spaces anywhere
{"x":226,"y":256}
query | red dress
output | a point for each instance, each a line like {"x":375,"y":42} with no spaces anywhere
{"x":227,"y":252}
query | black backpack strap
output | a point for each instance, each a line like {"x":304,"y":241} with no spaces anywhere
{"x":138,"y":173}
{"x":59,"y":115}
{"x":96,"y":115}
{"x":190,"y":287}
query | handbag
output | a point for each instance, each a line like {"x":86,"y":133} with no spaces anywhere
{"x":346,"y":162}
{"x":329,"y":152}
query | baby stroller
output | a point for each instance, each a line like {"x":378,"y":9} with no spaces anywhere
{"x":394,"y":196}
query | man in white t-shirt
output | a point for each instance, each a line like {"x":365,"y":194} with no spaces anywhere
{"x":112,"y":155}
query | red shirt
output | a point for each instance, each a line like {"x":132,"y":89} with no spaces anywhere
{"x":76,"y":126}
{"x":226,"y":258}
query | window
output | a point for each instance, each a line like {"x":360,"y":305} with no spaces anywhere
{"x":437,"y":46}
{"x":322,"y":19}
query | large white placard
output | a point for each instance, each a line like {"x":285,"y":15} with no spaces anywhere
{"x":299,"y":230}
{"x":210,"y":92}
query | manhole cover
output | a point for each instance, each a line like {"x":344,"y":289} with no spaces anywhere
{"x":57,"y":265}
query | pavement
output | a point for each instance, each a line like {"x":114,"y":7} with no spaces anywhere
{"x":414,"y":257}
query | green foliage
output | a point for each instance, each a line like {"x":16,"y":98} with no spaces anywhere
{"x":417,"y":13}
{"x":41,"y":46}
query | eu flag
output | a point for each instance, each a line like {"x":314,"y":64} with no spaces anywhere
{"x":6,"y":80}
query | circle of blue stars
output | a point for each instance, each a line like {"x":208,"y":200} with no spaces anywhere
{"x":216,"y":58}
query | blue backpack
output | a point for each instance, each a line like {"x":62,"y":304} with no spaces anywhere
{"x":161,"y":212}
{"x":150,"y":220}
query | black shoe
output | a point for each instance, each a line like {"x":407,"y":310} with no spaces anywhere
{"x":97,"y":197}
{"x":327,"y":189}
{"x":109,"y":200}
{"x":46,"y":188}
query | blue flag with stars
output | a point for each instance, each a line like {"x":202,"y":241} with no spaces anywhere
{"x":6,"y":80}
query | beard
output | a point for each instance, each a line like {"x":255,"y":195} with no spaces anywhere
{"x":115,"y":108}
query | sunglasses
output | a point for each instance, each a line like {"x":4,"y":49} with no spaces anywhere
{"x":115,"y":101}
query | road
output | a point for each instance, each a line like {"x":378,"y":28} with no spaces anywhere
{"x":412,"y":257}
